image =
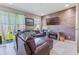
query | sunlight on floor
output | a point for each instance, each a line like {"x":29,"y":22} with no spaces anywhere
{"x":7,"y":49}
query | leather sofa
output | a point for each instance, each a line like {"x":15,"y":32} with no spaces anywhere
{"x":43,"y":49}
{"x":29,"y":47}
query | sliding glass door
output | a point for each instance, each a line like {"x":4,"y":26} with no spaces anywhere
{"x":10,"y":22}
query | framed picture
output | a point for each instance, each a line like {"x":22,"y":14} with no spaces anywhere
{"x":29,"y":21}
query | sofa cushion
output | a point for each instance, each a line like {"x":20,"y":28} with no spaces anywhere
{"x":31,"y":43}
{"x":44,"y":49}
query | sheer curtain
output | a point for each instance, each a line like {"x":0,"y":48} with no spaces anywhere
{"x":11,"y":22}
{"x":3,"y":23}
{"x":20,"y":22}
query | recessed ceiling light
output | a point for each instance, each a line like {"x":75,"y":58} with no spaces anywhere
{"x":67,"y":5}
{"x":10,"y":3}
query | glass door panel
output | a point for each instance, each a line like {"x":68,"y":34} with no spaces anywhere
{"x":10,"y":22}
{"x":20,"y":22}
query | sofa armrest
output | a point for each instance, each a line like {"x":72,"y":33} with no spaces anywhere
{"x":44,"y":49}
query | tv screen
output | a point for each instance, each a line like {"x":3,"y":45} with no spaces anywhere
{"x":29,"y":21}
{"x":53,"y":21}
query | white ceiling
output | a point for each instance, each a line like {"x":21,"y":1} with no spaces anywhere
{"x":38,"y":8}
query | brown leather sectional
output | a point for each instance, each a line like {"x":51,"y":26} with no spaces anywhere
{"x":29,"y":47}
{"x":43,"y":49}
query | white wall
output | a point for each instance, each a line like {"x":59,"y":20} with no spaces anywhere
{"x":77,"y":27}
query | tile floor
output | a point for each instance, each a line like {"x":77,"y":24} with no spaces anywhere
{"x":59,"y":48}
{"x":7,"y":49}
{"x":64,"y":48}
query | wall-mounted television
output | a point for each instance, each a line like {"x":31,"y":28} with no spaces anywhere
{"x":53,"y":21}
{"x":29,"y":21}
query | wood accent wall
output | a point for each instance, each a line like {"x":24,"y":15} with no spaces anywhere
{"x":67,"y":22}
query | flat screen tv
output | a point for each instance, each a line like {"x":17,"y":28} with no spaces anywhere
{"x":29,"y":21}
{"x":53,"y":21}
